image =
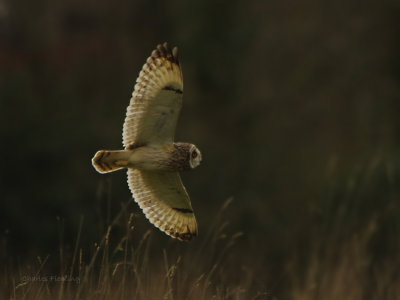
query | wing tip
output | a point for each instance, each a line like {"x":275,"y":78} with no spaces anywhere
{"x":164,"y":51}
{"x":185,"y":231}
{"x":185,"y":236}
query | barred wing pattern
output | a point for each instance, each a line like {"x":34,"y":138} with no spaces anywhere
{"x":164,"y":201}
{"x":156,"y":102}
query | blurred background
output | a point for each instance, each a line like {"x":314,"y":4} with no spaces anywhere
{"x":295,"y":106}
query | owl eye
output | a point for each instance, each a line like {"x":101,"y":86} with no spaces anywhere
{"x":194,"y":154}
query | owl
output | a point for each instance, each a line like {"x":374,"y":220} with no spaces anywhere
{"x":150,"y":155}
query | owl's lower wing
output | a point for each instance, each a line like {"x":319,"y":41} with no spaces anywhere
{"x":156,"y":102}
{"x":164,"y":201}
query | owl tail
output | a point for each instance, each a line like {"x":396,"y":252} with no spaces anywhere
{"x":105,"y":161}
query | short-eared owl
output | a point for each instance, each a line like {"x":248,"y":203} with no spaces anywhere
{"x":150,"y":154}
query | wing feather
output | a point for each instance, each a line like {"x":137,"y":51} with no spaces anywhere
{"x":164,"y":201}
{"x":154,"y":108}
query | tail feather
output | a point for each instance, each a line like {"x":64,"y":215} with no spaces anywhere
{"x":105,"y":161}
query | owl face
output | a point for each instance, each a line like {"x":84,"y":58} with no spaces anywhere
{"x":194,"y":156}
{"x":184,"y":157}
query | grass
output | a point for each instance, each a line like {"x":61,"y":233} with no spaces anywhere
{"x":347,"y":271}
{"x":351,"y":252}
{"x":127,"y":268}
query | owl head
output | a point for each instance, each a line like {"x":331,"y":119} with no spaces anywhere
{"x":185,"y":157}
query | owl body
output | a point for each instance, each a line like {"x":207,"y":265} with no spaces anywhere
{"x":175,"y":157}
{"x":150,"y":155}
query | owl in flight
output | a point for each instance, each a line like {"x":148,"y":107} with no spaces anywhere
{"x":150,"y":154}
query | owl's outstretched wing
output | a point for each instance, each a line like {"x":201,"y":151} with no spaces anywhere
{"x":154,"y":108}
{"x":164,"y":201}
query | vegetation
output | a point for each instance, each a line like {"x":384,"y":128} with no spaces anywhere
{"x":123,"y":265}
{"x":293,"y":104}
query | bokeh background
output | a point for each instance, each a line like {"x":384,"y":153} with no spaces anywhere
{"x":295,"y":106}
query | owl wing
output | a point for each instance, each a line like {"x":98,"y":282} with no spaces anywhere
{"x":164,"y":201}
{"x":156,"y":101}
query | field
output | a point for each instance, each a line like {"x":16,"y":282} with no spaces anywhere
{"x":339,"y":263}
{"x":294,"y":105}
